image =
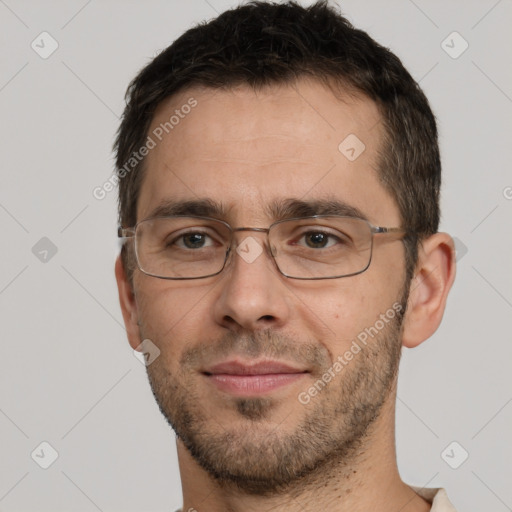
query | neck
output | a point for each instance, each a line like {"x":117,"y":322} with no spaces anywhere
{"x":368,"y":481}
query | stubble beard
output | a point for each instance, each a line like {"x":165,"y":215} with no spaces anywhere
{"x":257,"y":457}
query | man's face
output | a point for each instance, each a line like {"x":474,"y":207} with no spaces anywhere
{"x":245,"y":151}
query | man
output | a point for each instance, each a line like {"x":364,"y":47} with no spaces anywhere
{"x":279,"y":180}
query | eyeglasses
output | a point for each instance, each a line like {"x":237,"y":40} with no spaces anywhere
{"x":317,"y":247}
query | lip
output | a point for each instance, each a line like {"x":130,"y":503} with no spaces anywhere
{"x":259,"y":368}
{"x":250,"y":379}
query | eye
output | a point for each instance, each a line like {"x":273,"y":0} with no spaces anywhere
{"x":319,"y":239}
{"x":193,"y":240}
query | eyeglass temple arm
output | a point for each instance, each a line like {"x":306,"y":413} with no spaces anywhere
{"x":380,"y":229}
{"x":125,"y":232}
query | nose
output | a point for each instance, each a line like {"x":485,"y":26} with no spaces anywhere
{"x":252,"y":295}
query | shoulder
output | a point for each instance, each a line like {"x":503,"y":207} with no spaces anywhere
{"x":437,"y":496}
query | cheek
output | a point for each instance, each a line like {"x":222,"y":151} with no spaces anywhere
{"x":173,"y":314}
{"x":332,"y":311}
{"x":381,"y":286}
{"x":386,"y":274}
{"x":336,"y":311}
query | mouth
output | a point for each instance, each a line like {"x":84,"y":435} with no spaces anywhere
{"x":252,"y":379}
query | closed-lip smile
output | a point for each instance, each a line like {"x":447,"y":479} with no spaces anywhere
{"x":252,"y":378}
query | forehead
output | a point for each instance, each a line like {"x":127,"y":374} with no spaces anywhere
{"x":246,"y":149}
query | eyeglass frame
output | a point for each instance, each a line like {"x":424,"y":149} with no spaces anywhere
{"x":130,"y":232}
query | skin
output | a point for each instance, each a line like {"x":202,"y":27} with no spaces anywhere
{"x":245,"y":149}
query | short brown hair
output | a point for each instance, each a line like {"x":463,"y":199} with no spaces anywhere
{"x":266,"y":43}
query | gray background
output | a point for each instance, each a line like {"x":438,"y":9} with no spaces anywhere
{"x":67,"y":373}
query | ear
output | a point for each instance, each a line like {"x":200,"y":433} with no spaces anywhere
{"x":433,"y":278}
{"x":128,"y":304}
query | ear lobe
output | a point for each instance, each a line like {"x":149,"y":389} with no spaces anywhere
{"x":433,"y":278}
{"x":128,"y":304}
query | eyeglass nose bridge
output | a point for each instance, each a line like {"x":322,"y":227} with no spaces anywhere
{"x":271,"y":250}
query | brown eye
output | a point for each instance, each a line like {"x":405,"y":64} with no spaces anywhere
{"x":316,"y":240}
{"x":191,"y":240}
{"x":194,"y":240}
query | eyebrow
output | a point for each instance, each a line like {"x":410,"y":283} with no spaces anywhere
{"x":196,"y":207}
{"x":279,"y":209}
{"x":290,"y":208}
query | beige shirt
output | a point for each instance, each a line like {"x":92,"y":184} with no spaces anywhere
{"x":438,"y":498}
